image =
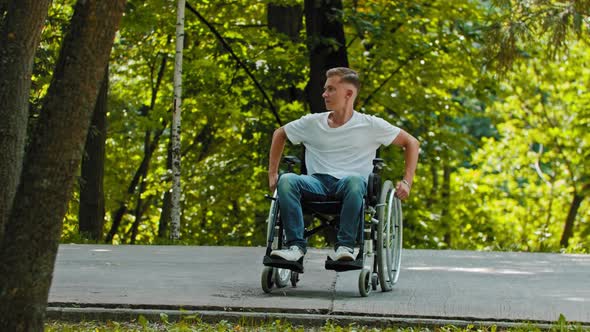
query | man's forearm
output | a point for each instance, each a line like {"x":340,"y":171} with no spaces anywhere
{"x":411,"y":152}
{"x":277,"y":146}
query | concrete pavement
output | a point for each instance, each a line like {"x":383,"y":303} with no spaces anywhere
{"x":435,"y":287}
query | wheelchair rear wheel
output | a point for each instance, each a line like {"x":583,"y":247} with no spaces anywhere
{"x":389,"y":237}
{"x":272,"y":276}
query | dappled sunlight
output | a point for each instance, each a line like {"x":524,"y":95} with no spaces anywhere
{"x":482,"y":270}
{"x":577,"y":299}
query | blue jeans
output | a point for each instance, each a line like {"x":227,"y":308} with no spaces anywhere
{"x":293,"y":188}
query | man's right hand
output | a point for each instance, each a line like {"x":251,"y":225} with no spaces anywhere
{"x":273,"y":178}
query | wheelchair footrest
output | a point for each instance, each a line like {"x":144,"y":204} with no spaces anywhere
{"x":341,"y":266}
{"x":283,"y":263}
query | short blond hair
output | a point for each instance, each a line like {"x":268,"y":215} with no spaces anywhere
{"x":346,"y":75}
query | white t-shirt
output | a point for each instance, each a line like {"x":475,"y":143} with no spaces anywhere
{"x":343,"y":151}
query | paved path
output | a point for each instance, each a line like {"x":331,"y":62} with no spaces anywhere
{"x":434,"y":285}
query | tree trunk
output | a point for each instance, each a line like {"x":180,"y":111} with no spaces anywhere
{"x":434,"y":190}
{"x":21,"y":22}
{"x":91,"y":213}
{"x":323,"y":32}
{"x":149,"y":148}
{"x":166,"y":213}
{"x":286,"y":20}
{"x":446,"y":203}
{"x":142,"y":186}
{"x":33,"y":230}
{"x":142,"y":169}
{"x":568,"y":229}
{"x":176,"y":116}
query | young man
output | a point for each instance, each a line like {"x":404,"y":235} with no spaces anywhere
{"x":340,"y":148}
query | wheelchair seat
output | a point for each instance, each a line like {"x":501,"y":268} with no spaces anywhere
{"x":330,"y":207}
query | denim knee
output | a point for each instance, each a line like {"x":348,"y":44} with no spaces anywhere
{"x":355,"y":185}
{"x":286,"y":182}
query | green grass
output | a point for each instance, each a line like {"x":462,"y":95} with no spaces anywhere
{"x":193,"y":324}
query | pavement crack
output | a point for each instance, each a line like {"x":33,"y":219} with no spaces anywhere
{"x":333,"y":291}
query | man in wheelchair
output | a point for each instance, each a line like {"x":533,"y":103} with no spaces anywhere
{"x":340,"y":147}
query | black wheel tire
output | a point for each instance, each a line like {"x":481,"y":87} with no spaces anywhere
{"x":365,"y":282}
{"x":382,"y":250}
{"x":266,"y":279}
{"x":294,"y":278}
{"x":374,"y":281}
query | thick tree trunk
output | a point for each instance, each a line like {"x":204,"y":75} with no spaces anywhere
{"x":91,"y":213}
{"x":323,"y":32}
{"x":21,"y":22}
{"x":568,"y":229}
{"x":27,"y":254}
{"x":286,"y":20}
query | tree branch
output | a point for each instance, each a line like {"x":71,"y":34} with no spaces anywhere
{"x":402,"y":65}
{"x":233,"y":54}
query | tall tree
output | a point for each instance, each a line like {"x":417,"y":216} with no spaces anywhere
{"x":176,"y":118}
{"x":327,"y":46}
{"x":92,"y":211}
{"x":20,"y":30}
{"x":30,"y":242}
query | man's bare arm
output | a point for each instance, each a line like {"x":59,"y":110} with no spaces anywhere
{"x":279,"y":138}
{"x":411,"y":148}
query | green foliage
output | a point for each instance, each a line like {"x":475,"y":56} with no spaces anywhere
{"x":526,"y":178}
{"x":514,"y":25}
{"x":501,"y":156}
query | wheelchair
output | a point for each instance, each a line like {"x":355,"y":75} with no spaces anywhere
{"x":379,"y":238}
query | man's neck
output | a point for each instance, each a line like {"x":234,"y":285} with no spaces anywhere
{"x":339,"y":117}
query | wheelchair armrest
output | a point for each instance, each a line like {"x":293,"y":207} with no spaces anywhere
{"x":291,"y":161}
{"x":373,"y":188}
{"x":378,"y":165}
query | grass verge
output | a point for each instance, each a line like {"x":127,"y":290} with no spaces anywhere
{"x":194,"y":324}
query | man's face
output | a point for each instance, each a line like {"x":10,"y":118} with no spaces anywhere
{"x":336,"y":93}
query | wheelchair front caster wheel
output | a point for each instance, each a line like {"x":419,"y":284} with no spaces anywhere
{"x":365,"y":282}
{"x":374,"y":281}
{"x":281,"y":277}
{"x":294,"y":278}
{"x":267,"y":279}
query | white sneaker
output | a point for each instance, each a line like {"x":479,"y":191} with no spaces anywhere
{"x":344,"y":254}
{"x":292,"y":254}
